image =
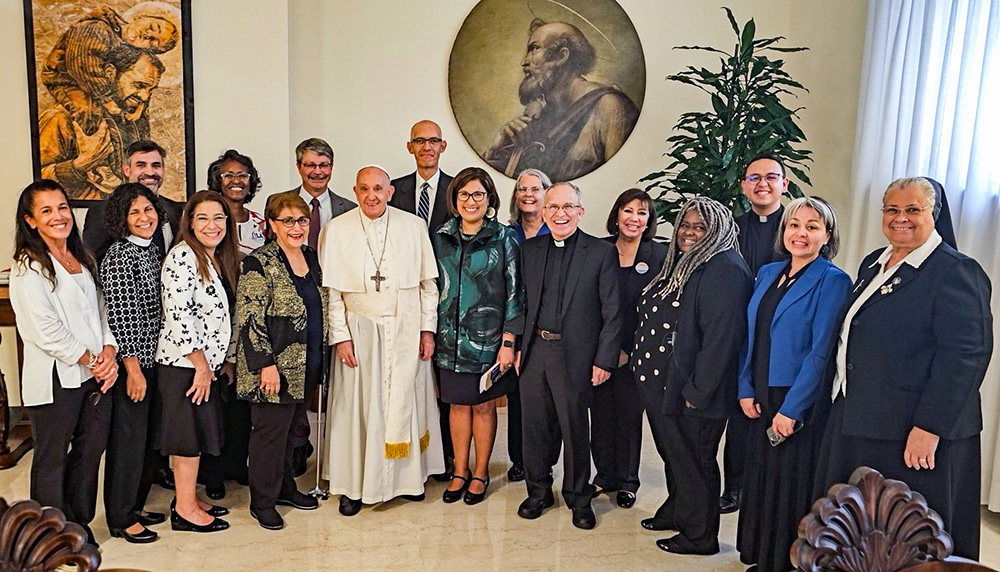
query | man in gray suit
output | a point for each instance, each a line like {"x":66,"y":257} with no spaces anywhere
{"x":314,"y":160}
{"x":424,"y":192}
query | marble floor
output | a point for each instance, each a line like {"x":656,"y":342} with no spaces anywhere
{"x":430,"y":535}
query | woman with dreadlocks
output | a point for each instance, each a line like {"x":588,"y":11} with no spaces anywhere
{"x":692,"y":323}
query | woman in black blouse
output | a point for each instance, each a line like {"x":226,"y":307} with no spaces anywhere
{"x":130,"y":277}
{"x":616,"y":410}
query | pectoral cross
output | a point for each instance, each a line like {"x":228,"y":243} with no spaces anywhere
{"x":378,"y":279}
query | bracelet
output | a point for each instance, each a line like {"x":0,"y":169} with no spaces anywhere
{"x":92,"y":362}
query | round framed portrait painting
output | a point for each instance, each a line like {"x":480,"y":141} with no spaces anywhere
{"x":555,"y":85}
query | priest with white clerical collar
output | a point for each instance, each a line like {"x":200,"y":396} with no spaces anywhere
{"x":384,"y":437}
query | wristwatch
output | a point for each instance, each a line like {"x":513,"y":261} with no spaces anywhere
{"x":508,"y":343}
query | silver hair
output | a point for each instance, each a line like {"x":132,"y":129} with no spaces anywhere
{"x":316,"y":145}
{"x":825,"y":211}
{"x":919,"y":183}
{"x":720,"y":236}
{"x":579,"y":193}
{"x":515,"y":213}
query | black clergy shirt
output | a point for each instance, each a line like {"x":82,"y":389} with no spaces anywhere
{"x":557,"y":264}
{"x":757,"y":236}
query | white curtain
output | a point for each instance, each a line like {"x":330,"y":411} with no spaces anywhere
{"x":930,"y":106}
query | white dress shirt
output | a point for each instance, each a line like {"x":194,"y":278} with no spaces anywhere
{"x":57,"y":326}
{"x":915,"y":258}
{"x":325,"y":206}
{"x":431,"y":191}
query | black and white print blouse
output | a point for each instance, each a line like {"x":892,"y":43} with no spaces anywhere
{"x":130,"y":277}
{"x":195,"y":313}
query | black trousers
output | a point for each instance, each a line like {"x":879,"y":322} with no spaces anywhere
{"x":298,"y":432}
{"x":271,"y":449}
{"x":691,"y":446}
{"x":231,"y":464}
{"x":131,"y":463}
{"x":734,"y":455}
{"x":651,"y":397}
{"x":515,"y":443}
{"x":69,"y":435}
{"x":616,"y":431}
{"x":555,"y":410}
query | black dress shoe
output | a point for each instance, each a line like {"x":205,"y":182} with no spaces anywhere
{"x":179,"y":523}
{"x":531,"y":508}
{"x":144,"y":537}
{"x":625,"y":499}
{"x":449,"y":471}
{"x":454,"y":496}
{"x":349,"y":507}
{"x":90,"y":536}
{"x":515,"y":473}
{"x":298,"y":500}
{"x":268,"y":518}
{"x":729,"y":501}
{"x":164,"y":478}
{"x":656,"y":525}
{"x":152,"y":518}
{"x":414,"y":498}
{"x":300,"y":457}
{"x":214,"y":510}
{"x":678,"y":544}
{"x":472,"y":498}
{"x":584,"y":518}
{"x":215,"y":492}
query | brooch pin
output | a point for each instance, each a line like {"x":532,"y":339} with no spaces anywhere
{"x":887,"y":289}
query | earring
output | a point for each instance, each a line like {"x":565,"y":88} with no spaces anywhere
{"x":491,"y":212}
{"x":825,"y":250}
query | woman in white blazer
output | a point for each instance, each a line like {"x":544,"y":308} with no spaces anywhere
{"x":196,"y":351}
{"x":69,"y":352}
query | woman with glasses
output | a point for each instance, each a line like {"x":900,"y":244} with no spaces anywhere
{"x":790,"y":322}
{"x":526,"y":220}
{"x":234,"y":177}
{"x":194,"y":350}
{"x":69,"y":352}
{"x":915,"y":338}
{"x":281,"y":356}
{"x":616,"y":408}
{"x":130,"y":278}
{"x":480,"y":313}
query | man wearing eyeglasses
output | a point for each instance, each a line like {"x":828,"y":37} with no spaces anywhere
{"x":764,"y":183}
{"x":570,"y":344}
{"x":423,"y":191}
{"x":314,"y":161}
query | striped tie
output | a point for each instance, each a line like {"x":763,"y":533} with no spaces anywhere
{"x":424,"y":208}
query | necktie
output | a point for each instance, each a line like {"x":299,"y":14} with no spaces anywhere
{"x":315,"y":221}
{"x":424,"y":208}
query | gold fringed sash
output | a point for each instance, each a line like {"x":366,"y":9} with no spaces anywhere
{"x":425,"y":441}
{"x":397,"y":450}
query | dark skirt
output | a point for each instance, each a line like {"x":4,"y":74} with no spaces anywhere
{"x":463,"y":388}
{"x":952,"y":488}
{"x":778,"y":490}
{"x":186,"y":429}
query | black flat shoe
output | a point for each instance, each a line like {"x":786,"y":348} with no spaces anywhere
{"x":414,"y":498}
{"x":215,"y":492}
{"x":300,"y":458}
{"x":532,"y":508}
{"x":181,"y":524}
{"x":678,"y":544}
{"x":300,"y":501}
{"x":268,"y":518}
{"x":449,"y":470}
{"x":515,"y":474}
{"x":584,"y":518}
{"x":152,"y":518}
{"x":164,"y":478}
{"x":349,"y":507}
{"x":214,"y":510}
{"x":625,"y":499}
{"x":655,"y":525}
{"x":472,"y":498}
{"x":454,"y":496}
{"x":144,"y":537}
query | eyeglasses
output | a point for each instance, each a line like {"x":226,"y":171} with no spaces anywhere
{"x":476,"y":196}
{"x":203,"y":220}
{"x":770,"y":178}
{"x":419,"y":141}
{"x":568,"y":209}
{"x":910,"y":211}
{"x":320,"y":166}
{"x":531,"y":190}
{"x":242,"y":177}
{"x":289,"y":222}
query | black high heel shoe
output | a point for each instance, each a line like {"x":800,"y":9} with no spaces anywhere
{"x":472,"y":498}
{"x":179,"y":523}
{"x":454,"y":496}
{"x":144,"y":537}
{"x":215,"y":510}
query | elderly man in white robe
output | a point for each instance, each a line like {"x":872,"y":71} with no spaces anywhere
{"x":384,"y":437}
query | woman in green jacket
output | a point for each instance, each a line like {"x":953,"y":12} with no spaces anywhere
{"x":481,"y":311}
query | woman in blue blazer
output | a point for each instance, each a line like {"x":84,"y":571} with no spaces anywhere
{"x":791,"y":316}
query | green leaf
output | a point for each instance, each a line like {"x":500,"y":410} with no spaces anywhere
{"x":746,"y":40}
{"x":732,"y":20}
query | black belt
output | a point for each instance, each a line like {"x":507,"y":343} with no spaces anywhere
{"x":548,"y":335}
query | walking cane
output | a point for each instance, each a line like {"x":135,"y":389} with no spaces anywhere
{"x":319,"y":492}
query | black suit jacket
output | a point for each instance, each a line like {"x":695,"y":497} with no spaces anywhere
{"x":711,"y":329}
{"x":405,"y":198}
{"x":591,"y":325}
{"x":95,"y":231}
{"x":917,"y":351}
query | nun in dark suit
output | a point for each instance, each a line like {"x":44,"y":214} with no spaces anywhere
{"x":616,"y":409}
{"x":915,"y":338}
{"x":791,"y":320}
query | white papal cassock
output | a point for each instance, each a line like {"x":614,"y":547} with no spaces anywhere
{"x":383,"y":433}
